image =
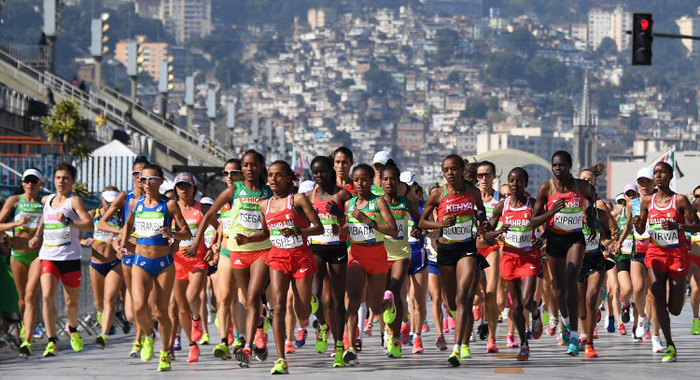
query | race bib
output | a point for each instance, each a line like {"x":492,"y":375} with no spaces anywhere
{"x":208,"y":236}
{"x":626,"y":247}
{"x":411,"y":239}
{"x":401,"y":225}
{"x":102,"y":235}
{"x":360,"y":232}
{"x":519,"y":237}
{"x":663,"y":238}
{"x":569,"y":219}
{"x":226,"y":222}
{"x":32,"y":223}
{"x":56,"y":234}
{"x":249,"y":217}
{"x":285,"y":242}
{"x":192,"y":225}
{"x":461,"y":231}
{"x":328,"y":237}
{"x":147,"y":224}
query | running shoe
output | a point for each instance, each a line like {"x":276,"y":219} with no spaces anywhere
{"x":491,"y":347}
{"x":135,"y":350}
{"x":205,"y":339}
{"x":405,"y":332}
{"x":349,"y":356}
{"x":552,"y":327}
{"x":504,"y":314}
{"x":611,"y":324}
{"x":528,"y":334}
{"x":389,"y":307}
{"x":595,"y":333}
{"x":621,"y":329}
{"x":21,"y":331}
{"x":368,"y":328}
{"x":76,"y":341}
{"x":583,"y":341}
{"x":231,"y":338}
{"x":164,"y":362}
{"x":386,"y":337}
{"x":101,"y":341}
{"x":197,"y":330}
{"x":417,"y":345}
{"x":289,"y":348}
{"x":537,"y":328}
{"x":524,"y":354}
{"x":590,"y":351}
{"x":670,"y":355}
{"x":695,"y":330}
{"x":238,"y":344}
{"x":465,"y":352}
{"x":50,"y":350}
{"x":452,"y":322}
{"x":454,"y":358}
{"x":545,"y":317}
{"x":221,"y":351}
{"x":216,"y":320}
{"x":642,"y":328}
{"x":301,"y":338}
{"x":565,"y":334}
{"x":426,"y":327}
{"x":38,"y":333}
{"x":322,"y":339}
{"x":625,"y":313}
{"x":177,"y":343}
{"x":483,"y":331}
{"x":194,"y":354}
{"x":172,"y":353}
{"x":260,"y":354}
{"x":147,"y":349}
{"x":440,"y":343}
{"x":510,"y":341}
{"x":445,"y":326}
{"x":25,"y":350}
{"x":314,"y":305}
{"x":394,"y":348}
{"x":243,"y":356}
{"x":260,"y":338}
{"x":358,"y":345}
{"x":476,"y":310}
{"x":338,"y":357}
{"x":598,"y":316}
{"x":656,"y":346}
{"x":99,"y":318}
{"x":647,"y":335}
{"x":280,"y":367}
{"x":573,"y":348}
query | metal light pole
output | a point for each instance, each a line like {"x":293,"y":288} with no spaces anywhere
{"x":98,"y":41}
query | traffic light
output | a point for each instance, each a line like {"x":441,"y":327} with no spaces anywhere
{"x":135,"y":59}
{"x":642,"y":38}
{"x":98,"y":34}
{"x":166,"y":76}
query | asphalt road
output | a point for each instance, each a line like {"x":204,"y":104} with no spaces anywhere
{"x":618,"y":356}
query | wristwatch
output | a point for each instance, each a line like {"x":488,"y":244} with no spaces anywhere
{"x":372,"y":224}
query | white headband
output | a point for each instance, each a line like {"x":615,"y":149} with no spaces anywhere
{"x":110,"y":195}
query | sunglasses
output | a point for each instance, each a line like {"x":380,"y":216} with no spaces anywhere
{"x":696,"y":196}
{"x":136,"y":173}
{"x":151,"y":180}
{"x":484,"y":175}
{"x":227,"y":173}
{"x":34,"y":181}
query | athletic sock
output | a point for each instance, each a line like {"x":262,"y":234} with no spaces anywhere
{"x":224,"y":340}
{"x":196,"y":319}
{"x":193,"y":344}
{"x":456,"y":347}
{"x":565,"y":320}
{"x":573,"y":335}
{"x":72,"y":329}
{"x":53,"y":340}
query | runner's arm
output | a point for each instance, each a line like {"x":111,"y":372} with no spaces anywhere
{"x":315,"y":225}
{"x":388,"y":226}
{"x":5,"y":213}
{"x":220,"y":201}
{"x":183,"y":230}
{"x":84,"y":222}
{"x":117,"y":205}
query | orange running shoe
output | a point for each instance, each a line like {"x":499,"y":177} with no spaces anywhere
{"x":477,"y":312}
{"x":590,"y":351}
{"x":260,"y":339}
{"x":491,"y":346}
{"x":537,"y":328}
{"x":417,"y":345}
{"x":194,"y":354}
{"x":524,"y":354}
{"x":289,"y":348}
{"x":622,"y":330}
{"x":197,"y":330}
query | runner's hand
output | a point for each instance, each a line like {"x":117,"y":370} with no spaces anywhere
{"x":166,"y":232}
{"x":191,"y":251}
{"x":241,"y":239}
{"x":335,"y":229}
{"x":416,"y":233}
{"x":669,"y":225}
{"x":334,"y":209}
{"x":121,"y":252}
{"x":289,"y":232}
{"x":361,"y":216}
{"x":34,"y":242}
{"x":558,"y":205}
{"x":449,"y":221}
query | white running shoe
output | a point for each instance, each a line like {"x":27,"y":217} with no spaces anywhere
{"x":642,"y":327}
{"x":386,"y":338}
{"x":656,"y":346}
{"x":504,"y":313}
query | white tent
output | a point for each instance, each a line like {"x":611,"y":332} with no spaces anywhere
{"x":109,"y":165}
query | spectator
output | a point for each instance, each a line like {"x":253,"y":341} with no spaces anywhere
{"x":75,"y":81}
{"x":82,"y":86}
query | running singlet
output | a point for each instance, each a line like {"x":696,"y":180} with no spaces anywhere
{"x":570,"y":218}
{"x":101,"y":235}
{"x":594,"y":245}
{"x":658,"y":215}
{"x":641,"y":239}
{"x":398,"y":247}
{"x":411,"y":226}
{"x":461,"y":206}
{"x":287,"y":218}
{"x":31,"y":209}
{"x":377,"y":190}
{"x":360,"y":232}
{"x":327,"y":219}
{"x":193,"y":216}
{"x":149,"y":220}
{"x":129,"y":196}
{"x":61,"y":241}
{"x":520,"y":235}
{"x":209,"y":236}
{"x":246,"y":216}
{"x":628,"y":243}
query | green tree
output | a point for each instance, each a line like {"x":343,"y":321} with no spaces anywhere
{"x":447,"y":41}
{"x":503,"y":66}
{"x":453,"y":77}
{"x":67,"y":126}
{"x":545,"y":75}
{"x":476,"y":108}
{"x":606,"y":48}
{"x":230,"y":71}
{"x":378,"y":81}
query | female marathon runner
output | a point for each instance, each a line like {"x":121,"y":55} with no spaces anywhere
{"x":398,"y":255}
{"x":667,"y":215}
{"x":248,"y":259}
{"x":292,"y":264}
{"x":63,"y":218}
{"x":106,"y":273}
{"x":208,"y":294}
{"x":342,"y":164}
{"x":150,"y":220}
{"x":513,"y":219}
{"x":493,"y":292}
{"x":368,"y":221}
{"x":458,"y":206}
{"x":26,"y":209}
{"x":695,"y":269}
{"x":434,"y":287}
{"x":565,"y":242}
{"x":418,"y":270}
{"x":623,"y":261}
{"x":331,"y":254}
{"x":190,"y":271}
{"x":121,"y":205}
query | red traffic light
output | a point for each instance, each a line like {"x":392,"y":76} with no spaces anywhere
{"x":645,"y":24}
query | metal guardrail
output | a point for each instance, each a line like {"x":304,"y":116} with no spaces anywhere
{"x":31,"y":54}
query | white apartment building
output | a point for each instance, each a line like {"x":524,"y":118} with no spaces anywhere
{"x":690,"y":26}
{"x":186,"y":19}
{"x":612,"y":24}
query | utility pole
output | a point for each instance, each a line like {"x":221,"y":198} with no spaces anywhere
{"x":98,"y":44}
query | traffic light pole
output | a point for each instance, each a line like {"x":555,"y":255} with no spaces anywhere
{"x":132,"y":83}
{"x":98,"y":73}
